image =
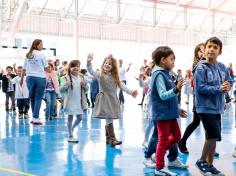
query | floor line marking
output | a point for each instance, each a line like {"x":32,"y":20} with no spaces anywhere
{"x":16,"y":171}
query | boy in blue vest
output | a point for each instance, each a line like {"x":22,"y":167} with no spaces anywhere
{"x":212,"y":81}
{"x":164,"y":102}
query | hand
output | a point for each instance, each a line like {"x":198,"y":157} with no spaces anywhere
{"x":69,"y":83}
{"x":90,"y":57}
{"x":82,"y":84}
{"x":14,"y":65}
{"x":134,"y":93}
{"x":140,"y":76}
{"x":183,"y":113}
{"x":180,"y":84}
{"x":225,"y":86}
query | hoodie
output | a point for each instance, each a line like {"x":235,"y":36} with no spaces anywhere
{"x":207,"y":80}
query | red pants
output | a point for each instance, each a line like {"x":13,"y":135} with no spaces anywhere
{"x":168,"y":135}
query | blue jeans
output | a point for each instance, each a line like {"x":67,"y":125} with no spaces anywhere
{"x":50,"y":97}
{"x":121,"y":95}
{"x":36,"y":86}
{"x":173,"y":152}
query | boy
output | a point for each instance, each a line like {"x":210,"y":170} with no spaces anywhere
{"x":212,"y":81}
{"x":22,"y":94}
{"x":9,"y":89}
{"x":164,"y":102}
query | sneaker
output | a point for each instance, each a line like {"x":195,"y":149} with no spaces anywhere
{"x":20,"y":116}
{"x":72,"y":139}
{"x":149,"y":163}
{"x":145,"y":144}
{"x":26,"y":116}
{"x":234,"y":154}
{"x":203,"y":168}
{"x":215,"y":172}
{"x":182,"y":147}
{"x":164,"y":172}
{"x":36,"y":121}
{"x":153,"y":157}
{"x":176,"y":164}
{"x":216,"y":154}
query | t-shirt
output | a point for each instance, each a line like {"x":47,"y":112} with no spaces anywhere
{"x":122,"y":73}
{"x":10,"y":87}
{"x":50,"y":85}
{"x":35,"y":66}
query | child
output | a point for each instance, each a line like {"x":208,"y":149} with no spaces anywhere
{"x":73,"y":86}
{"x":144,"y":81}
{"x":9,"y":89}
{"x":211,"y":82}
{"x":94,"y":88}
{"x":187,"y":86}
{"x":179,"y":77}
{"x":164,"y":96}
{"x":198,"y":55}
{"x":107,"y":105}
{"x":51,"y":92}
{"x":21,"y":94}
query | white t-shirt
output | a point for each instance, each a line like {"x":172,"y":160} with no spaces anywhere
{"x":35,"y":66}
{"x":21,"y":91}
{"x":122,"y":72}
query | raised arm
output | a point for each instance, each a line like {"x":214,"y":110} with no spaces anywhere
{"x":90,"y":67}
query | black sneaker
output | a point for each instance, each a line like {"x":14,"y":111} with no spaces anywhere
{"x":203,"y":168}
{"x":216,"y":154}
{"x":182,"y":147}
{"x":215,"y":172}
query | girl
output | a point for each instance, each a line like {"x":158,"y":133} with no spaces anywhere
{"x":73,"y":87}
{"x":187,"y":86}
{"x":51,"y":92}
{"x":198,"y":55}
{"x":144,"y":82}
{"x":34,"y":65}
{"x":107,"y":104}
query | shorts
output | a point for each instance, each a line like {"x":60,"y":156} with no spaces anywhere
{"x":212,"y":125}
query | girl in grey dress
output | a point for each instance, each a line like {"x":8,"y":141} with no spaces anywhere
{"x":107,"y":105}
{"x":74,"y":87}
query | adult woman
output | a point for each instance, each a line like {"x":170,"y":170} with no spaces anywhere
{"x":34,"y":66}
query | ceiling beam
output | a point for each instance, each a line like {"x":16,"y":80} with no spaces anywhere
{"x":189,"y":6}
{"x":217,"y":8}
{"x":43,"y":7}
{"x":68,"y":10}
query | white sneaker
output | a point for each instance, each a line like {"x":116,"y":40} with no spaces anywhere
{"x":72,"y":139}
{"x":164,"y":172}
{"x":176,"y":164}
{"x":234,"y":154}
{"x":145,"y":144}
{"x":153,"y":157}
{"x":36,"y":121}
{"x":149,"y":163}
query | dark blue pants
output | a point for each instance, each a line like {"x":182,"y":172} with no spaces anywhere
{"x":121,"y":95}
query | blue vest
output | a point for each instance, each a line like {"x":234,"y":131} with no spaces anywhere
{"x":163,"y":110}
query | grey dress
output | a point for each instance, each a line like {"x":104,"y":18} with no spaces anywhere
{"x":107,"y":104}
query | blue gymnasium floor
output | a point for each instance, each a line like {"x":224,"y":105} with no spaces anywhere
{"x":43,"y":150}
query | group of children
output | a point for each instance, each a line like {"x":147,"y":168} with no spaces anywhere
{"x":211,"y":82}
